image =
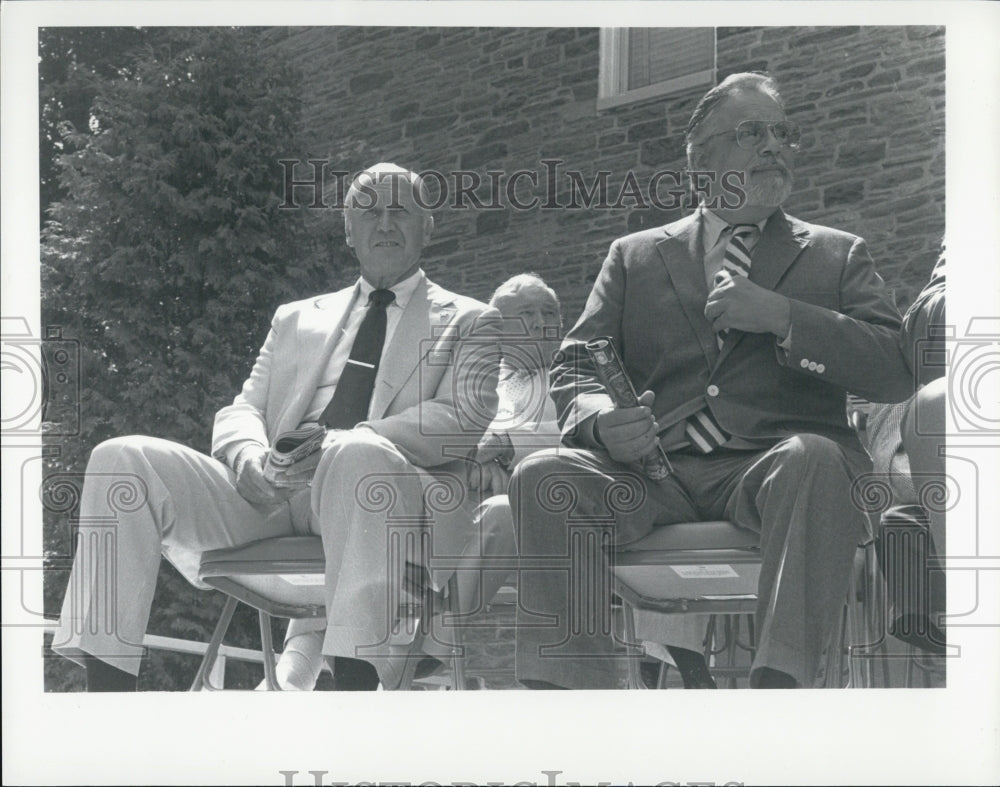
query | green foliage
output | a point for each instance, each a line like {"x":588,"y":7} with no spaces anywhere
{"x":73,"y":62}
{"x":167,"y":252}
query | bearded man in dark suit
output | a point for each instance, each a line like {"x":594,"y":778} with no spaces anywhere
{"x":743,"y":328}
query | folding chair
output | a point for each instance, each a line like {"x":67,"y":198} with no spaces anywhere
{"x":284,"y":577}
{"x":692,"y":567}
{"x":713,"y":568}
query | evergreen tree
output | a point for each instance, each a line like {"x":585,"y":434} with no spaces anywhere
{"x":166,"y":253}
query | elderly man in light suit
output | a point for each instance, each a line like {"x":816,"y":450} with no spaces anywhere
{"x":401,"y":422}
{"x":743,"y":381}
{"x":525,"y":422}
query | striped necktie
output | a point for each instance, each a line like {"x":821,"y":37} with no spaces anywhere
{"x":702,"y":430}
{"x":736,"y":260}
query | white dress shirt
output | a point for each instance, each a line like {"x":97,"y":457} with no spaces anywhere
{"x":342,"y":348}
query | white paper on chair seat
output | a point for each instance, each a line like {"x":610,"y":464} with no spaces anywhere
{"x":720,"y":571}
{"x":304,"y":579}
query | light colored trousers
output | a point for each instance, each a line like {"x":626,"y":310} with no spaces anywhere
{"x":488,"y":559}
{"x":143,"y":496}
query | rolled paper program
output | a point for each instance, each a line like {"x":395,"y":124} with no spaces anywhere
{"x":289,"y":448}
{"x":611,"y":370}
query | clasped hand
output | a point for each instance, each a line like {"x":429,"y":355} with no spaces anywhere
{"x":736,"y":302}
{"x":628,"y":433}
{"x":486,"y":474}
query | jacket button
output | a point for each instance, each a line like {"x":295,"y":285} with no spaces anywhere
{"x":804,"y":363}
{"x":712,"y":390}
{"x":812,"y":366}
{"x":820,"y":368}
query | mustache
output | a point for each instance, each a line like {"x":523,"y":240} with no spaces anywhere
{"x":771,"y":165}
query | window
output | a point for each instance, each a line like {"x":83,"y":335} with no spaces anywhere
{"x":640,"y":63}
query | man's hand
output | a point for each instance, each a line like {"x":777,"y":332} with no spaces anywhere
{"x":486,"y":469}
{"x":491,"y":476}
{"x":628,"y":433}
{"x":736,"y":302}
{"x":250,"y":481}
{"x":300,"y":474}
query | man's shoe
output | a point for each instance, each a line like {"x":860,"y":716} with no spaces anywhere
{"x":101,"y":676}
{"x":767,"y":678}
{"x":427,"y":666}
{"x":692,"y":667}
{"x":352,"y":674}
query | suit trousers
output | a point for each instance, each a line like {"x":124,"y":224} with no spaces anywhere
{"x":143,"y":496}
{"x":488,"y":558}
{"x":570,"y":508}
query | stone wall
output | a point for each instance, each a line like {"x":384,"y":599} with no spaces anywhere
{"x":870,"y":101}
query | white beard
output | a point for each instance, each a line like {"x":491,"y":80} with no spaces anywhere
{"x":771,"y":189}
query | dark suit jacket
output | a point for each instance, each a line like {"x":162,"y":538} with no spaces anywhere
{"x":650,"y":297}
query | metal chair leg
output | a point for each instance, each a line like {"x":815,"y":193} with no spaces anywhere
{"x":834,"y":669}
{"x":455,"y":637}
{"x":201,"y":680}
{"x":733,"y":634}
{"x":875,"y":611}
{"x":267,"y":649}
{"x":634,"y":674}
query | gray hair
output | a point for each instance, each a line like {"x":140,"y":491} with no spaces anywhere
{"x":515,"y":283}
{"x":732,"y":84}
{"x":377,"y":173}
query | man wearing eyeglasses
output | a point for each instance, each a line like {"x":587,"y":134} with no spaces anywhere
{"x":742,"y":327}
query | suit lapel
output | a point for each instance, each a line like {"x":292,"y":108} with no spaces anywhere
{"x":782,"y":241}
{"x":318,"y":331}
{"x":424,"y":312}
{"x":682,"y":255}
{"x":780,"y":244}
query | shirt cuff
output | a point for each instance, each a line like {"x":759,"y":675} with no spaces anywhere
{"x":233,"y":450}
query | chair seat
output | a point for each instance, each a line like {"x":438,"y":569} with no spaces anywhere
{"x":690,"y":564}
{"x":283,"y":576}
{"x":281,"y":555}
{"x":718,"y":534}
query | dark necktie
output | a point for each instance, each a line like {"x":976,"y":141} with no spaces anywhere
{"x":350,"y":401}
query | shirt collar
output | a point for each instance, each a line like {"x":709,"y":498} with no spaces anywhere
{"x":713,"y":226}
{"x":404,"y":289}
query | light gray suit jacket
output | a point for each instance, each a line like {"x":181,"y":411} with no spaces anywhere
{"x":435,"y":391}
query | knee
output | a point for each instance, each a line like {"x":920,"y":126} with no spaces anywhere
{"x":131,"y":451}
{"x":925,"y":416}
{"x":923,"y":426}
{"x":496,"y":526}
{"x":810,"y":451}
{"x":535,"y":467}
{"x":358,"y":451}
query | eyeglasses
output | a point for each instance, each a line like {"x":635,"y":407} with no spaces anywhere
{"x":751,"y":133}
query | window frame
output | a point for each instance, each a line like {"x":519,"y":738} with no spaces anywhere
{"x":613,"y":72}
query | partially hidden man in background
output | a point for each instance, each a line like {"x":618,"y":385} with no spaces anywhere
{"x":906,"y":441}
{"x":525,"y":422}
{"x":403,"y":374}
{"x":743,"y":328}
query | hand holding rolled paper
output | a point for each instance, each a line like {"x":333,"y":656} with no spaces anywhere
{"x":629,"y":431}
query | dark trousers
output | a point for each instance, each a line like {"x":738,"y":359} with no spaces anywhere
{"x":571,"y":505}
